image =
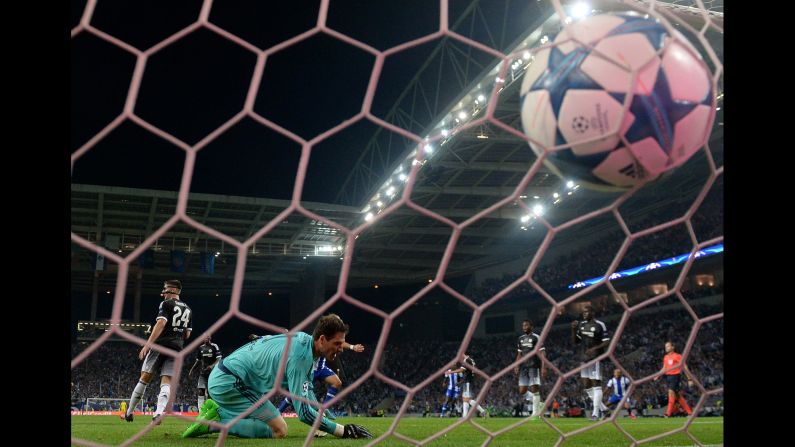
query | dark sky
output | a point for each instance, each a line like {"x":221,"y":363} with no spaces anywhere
{"x":199,"y":82}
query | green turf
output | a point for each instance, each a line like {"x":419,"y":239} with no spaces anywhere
{"x":110,"y":430}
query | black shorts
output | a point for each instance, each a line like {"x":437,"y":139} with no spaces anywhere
{"x":673,"y":382}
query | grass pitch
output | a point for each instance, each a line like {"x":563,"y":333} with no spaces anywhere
{"x":110,"y":430}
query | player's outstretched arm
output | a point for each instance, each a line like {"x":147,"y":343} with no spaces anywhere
{"x":355,"y":348}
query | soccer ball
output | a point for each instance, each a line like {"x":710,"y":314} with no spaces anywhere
{"x":573,"y":94}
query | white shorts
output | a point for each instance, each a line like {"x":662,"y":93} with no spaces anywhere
{"x":466,"y":391}
{"x":592,"y":372}
{"x":529,"y":376}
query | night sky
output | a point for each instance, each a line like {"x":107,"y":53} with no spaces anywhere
{"x":199,"y":82}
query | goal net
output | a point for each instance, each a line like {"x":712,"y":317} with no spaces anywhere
{"x":440,"y":189}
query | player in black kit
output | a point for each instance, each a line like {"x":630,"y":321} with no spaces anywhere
{"x":171,"y":329}
{"x":531,"y":372}
{"x":594,"y":337}
{"x":209,"y":355}
{"x":466,"y":387}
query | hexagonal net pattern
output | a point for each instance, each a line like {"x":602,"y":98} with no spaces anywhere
{"x":657,"y":9}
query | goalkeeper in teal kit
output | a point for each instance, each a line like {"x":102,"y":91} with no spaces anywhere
{"x":243,"y":377}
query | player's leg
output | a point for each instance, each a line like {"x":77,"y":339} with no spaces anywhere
{"x":201,"y":387}
{"x":333,"y":383}
{"x":151,"y":363}
{"x":474,"y":404}
{"x":524,"y":383}
{"x":628,"y":407}
{"x":137,"y":393}
{"x":166,"y":371}
{"x":466,"y":398}
{"x":535,"y":392}
{"x":284,"y":404}
{"x":448,"y":402}
{"x":597,"y":396}
{"x":612,"y":405}
{"x":585,"y":379}
{"x":596,"y":384}
{"x":233,"y":398}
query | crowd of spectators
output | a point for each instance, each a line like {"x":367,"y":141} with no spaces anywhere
{"x":112,"y":370}
{"x":592,"y":260}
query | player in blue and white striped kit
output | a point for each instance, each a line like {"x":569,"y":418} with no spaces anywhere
{"x":620,"y":385}
{"x":452,"y":392}
{"x":324,"y":373}
{"x":242,"y":378}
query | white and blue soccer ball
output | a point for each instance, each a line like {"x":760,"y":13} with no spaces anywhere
{"x":572,"y":95}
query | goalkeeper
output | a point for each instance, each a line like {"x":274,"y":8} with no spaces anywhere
{"x":242,"y":378}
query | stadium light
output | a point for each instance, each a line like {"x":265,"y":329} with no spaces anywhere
{"x":428,"y":148}
{"x":390,"y":191}
{"x":379,"y":204}
{"x":402,"y":177}
{"x":580,"y":10}
{"x":570,"y":184}
{"x":538,"y":210}
{"x":525,"y":218}
{"x":460,"y":112}
{"x":555,"y":195}
{"x":368,"y":217}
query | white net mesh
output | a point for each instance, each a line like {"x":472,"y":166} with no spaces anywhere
{"x":634,"y":320}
